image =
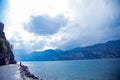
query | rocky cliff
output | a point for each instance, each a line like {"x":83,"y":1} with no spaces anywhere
{"x":9,"y":51}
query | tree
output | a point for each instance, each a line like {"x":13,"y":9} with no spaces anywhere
{"x":3,"y":47}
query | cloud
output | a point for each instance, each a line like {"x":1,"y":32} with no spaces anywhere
{"x":93,"y":22}
{"x":46,"y":25}
{"x":82,"y":23}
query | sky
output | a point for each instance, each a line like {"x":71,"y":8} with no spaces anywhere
{"x":37,"y":25}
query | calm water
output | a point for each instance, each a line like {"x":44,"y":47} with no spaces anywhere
{"x":105,"y":69}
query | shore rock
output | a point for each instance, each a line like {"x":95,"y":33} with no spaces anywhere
{"x":26,"y":74}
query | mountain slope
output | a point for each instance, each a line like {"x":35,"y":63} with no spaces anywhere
{"x":110,"y":49}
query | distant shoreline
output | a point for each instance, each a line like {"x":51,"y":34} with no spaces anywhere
{"x":71,"y":60}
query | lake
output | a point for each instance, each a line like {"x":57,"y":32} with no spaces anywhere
{"x":99,"y":69}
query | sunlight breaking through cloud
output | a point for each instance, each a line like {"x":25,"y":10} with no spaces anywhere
{"x":82,"y":23}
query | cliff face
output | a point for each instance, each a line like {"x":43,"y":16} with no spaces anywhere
{"x":9,"y":51}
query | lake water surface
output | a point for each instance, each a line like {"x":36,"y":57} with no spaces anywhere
{"x":100,"y":69}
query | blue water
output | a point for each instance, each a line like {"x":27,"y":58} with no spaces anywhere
{"x":104,"y":69}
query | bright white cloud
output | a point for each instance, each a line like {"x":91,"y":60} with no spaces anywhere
{"x":20,"y":12}
{"x":90,"y":22}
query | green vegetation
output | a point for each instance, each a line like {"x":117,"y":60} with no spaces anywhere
{"x":3,"y":47}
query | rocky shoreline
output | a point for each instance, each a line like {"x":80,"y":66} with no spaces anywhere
{"x":26,"y":74}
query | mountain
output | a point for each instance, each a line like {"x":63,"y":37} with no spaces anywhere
{"x":46,"y":55}
{"x":110,"y":49}
{"x":20,"y":54}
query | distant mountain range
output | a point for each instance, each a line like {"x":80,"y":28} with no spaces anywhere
{"x":110,"y":49}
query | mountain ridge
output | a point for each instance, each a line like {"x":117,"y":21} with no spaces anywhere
{"x":110,"y":49}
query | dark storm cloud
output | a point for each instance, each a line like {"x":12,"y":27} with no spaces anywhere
{"x":46,"y":25}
